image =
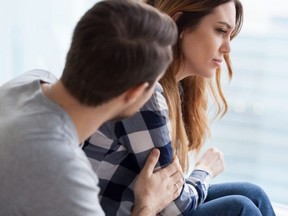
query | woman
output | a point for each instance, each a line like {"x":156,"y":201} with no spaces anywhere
{"x":175,"y":121}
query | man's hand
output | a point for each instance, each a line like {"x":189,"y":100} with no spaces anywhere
{"x":212,"y":162}
{"x":154,"y":191}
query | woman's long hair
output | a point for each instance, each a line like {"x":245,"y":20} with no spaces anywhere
{"x":188,"y":109}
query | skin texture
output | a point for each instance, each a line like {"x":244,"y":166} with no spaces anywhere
{"x":204,"y":47}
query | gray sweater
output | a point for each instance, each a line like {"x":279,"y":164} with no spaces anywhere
{"x":43,"y":171}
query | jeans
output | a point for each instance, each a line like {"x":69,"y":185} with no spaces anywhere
{"x":235,"y":199}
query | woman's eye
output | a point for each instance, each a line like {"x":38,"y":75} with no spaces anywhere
{"x":222,"y":31}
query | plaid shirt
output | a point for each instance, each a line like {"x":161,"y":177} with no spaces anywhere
{"x":118,"y":152}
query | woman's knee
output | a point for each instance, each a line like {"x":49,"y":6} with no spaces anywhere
{"x":233,"y":205}
{"x":260,"y":199}
{"x":255,"y":193}
{"x":243,"y":205}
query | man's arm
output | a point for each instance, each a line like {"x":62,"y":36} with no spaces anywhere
{"x":154,"y":191}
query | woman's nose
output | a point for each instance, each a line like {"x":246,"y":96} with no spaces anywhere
{"x":226,"y":46}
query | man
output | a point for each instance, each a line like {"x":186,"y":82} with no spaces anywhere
{"x":119,"y":49}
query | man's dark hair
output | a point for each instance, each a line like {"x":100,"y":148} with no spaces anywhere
{"x":116,"y":45}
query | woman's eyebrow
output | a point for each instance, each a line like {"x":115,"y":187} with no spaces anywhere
{"x":225,"y":23}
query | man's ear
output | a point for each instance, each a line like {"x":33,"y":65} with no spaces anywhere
{"x":134,"y":93}
{"x":176,"y":16}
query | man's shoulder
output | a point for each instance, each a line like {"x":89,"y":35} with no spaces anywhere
{"x":35,"y":74}
{"x":38,"y":74}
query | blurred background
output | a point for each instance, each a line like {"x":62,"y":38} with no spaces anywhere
{"x":253,"y":134}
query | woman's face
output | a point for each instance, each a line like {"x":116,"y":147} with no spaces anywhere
{"x":204,"y":47}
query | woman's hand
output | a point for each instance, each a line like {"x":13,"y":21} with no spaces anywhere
{"x":212,"y":162}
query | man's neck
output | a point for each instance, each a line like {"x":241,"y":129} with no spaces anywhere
{"x":85,"y":118}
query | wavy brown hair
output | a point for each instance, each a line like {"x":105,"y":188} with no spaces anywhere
{"x":188,"y":110}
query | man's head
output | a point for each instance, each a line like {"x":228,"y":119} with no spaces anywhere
{"x":117,"y":45}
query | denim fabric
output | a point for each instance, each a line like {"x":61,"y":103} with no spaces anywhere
{"x":235,"y":199}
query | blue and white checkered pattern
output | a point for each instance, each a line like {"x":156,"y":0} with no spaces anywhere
{"x":118,"y":152}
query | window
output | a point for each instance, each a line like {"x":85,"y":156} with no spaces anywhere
{"x":37,"y":34}
{"x":254,"y":133}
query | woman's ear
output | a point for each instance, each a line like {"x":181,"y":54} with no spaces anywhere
{"x":136,"y":92}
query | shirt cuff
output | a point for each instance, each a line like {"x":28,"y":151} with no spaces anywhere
{"x":202,"y":176}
